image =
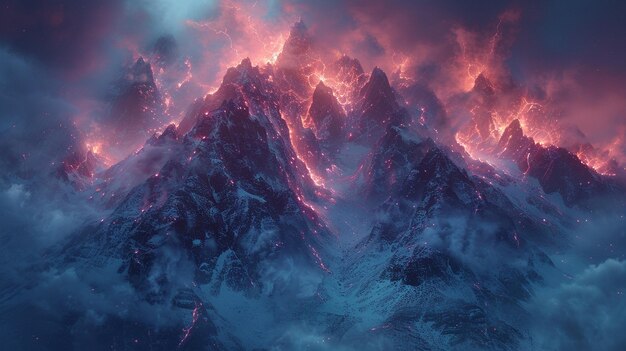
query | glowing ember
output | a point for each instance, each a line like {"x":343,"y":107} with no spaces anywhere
{"x":94,"y":147}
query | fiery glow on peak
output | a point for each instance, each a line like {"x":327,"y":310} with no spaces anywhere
{"x":293,"y":137}
{"x":467,"y":55}
{"x":243,"y":34}
{"x":94,"y":147}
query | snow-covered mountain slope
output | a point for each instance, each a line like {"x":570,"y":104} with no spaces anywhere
{"x":287,"y":212}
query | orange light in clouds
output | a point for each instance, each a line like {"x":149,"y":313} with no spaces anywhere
{"x":317,"y":180}
{"x":240,"y":31}
{"x":98,"y":149}
{"x":94,"y":146}
{"x":258,"y":40}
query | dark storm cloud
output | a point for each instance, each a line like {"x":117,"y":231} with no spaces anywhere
{"x":58,"y":60}
{"x":64,"y":309}
{"x":46,"y":50}
{"x":558,"y":33}
{"x":41,"y":45}
{"x":61,"y":34}
{"x":583,"y":306}
{"x":551,"y":33}
{"x":35,"y":128}
{"x":587,"y":312}
{"x":600,"y":236}
{"x":52,"y":53}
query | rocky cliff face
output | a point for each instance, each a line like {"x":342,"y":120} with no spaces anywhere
{"x":556,"y":169}
{"x":137,"y":109}
{"x":333,"y":207}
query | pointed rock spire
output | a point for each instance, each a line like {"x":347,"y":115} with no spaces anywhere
{"x":297,"y":46}
{"x":378,"y":107}
{"x":326,"y":114}
{"x":141,"y":72}
{"x":512,"y":133}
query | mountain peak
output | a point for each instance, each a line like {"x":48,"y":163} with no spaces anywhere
{"x":245,"y":63}
{"x":483,"y":85}
{"x":321,"y":88}
{"x":141,"y":72}
{"x":299,"y":41}
{"x":296,"y":64}
{"x":298,"y":28}
{"x":378,"y":106}
{"x":323,"y":97}
{"x":169,"y":132}
{"x":513,"y":134}
{"x":378,"y":73}
{"x":349,"y":64}
{"x":377,"y":85}
{"x":326,"y":114}
{"x":514,"y":129}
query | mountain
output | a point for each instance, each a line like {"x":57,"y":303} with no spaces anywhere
{"x":350,"y":77}
{"x":429,"y":109}
{"x":428,"y":268}
{"x":110,"y":186}
{"x":377,"y":108}
{"x":225,"y":211}
{"x":327,"y":117}
{"x":297,"y":61}
{"x":484,"y":96}
{"x":213,"y":202}
{"x":556,"y":169}
{"x":136,"y":110}
{"x":78,"y":168}
{"x":396,"y":153}
{"x":310,"y":206}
